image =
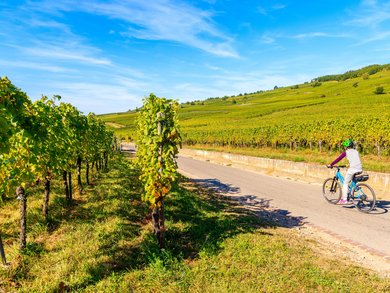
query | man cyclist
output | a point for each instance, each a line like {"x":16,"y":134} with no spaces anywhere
{"x":355,"y":166}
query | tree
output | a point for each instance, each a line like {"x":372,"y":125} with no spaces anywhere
{"x":379,"y":90}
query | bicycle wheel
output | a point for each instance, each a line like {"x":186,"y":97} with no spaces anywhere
{"x":364,"y":198}
{"x":331,"y":190}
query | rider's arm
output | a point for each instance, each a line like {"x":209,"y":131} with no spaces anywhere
{"x":342,"y":156}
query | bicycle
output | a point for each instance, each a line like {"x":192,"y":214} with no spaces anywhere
{"x":360,"y":194}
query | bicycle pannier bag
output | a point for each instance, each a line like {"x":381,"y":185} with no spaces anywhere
{"x":362,"y":177}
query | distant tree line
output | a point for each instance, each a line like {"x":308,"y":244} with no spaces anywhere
{"x":363,"y":72}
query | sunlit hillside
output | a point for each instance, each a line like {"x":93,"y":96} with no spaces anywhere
{"x":317,"y":114}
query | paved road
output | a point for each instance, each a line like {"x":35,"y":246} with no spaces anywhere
{"x":297,"y":199}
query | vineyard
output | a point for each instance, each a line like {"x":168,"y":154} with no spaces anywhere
{"x":42,"y":141}
{"x":102,"y":238}
{"x":316,"y":115}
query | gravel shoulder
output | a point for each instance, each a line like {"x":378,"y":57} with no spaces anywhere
{"x":333,"y":246}
{"x":323,"y":241}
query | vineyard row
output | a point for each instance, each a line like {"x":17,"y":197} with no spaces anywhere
{"x":371,"y":135}
{"x":41,"y":140}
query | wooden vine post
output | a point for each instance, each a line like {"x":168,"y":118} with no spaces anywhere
{"x":2,"y":253}
{"x":23,"y":216}
{"x":158,"y":140}
{"x":158,"y":211}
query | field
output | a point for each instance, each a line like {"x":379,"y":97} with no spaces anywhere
{"x":105,"y":243}
{"x":307,"y":121}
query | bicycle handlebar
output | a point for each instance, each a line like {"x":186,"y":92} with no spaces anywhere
{"x":331,"y":167}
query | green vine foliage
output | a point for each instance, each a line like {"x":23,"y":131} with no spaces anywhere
{"x":13,"y":116}
{"x":41,"y":139}
{"x":17,"y":161}
{"x":158,"y":142}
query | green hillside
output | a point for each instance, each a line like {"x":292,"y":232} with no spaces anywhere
{"x":316,"y":115}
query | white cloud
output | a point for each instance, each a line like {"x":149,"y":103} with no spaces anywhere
{"x":212,"y":67}
{"x":369,"y":2}
{"x":130,"y":83}
{"x":279,"y":6}
{"x":272,"y":39}
{"x":263,"y":10}
{"x":40,"y":38}
{"x":92,"y":91}
{"x":39,"y":23}
{"x":378,"y":36}
{"x":35,"y":66}
{"x":267,"y":39}
{"x":96,"y":97}
{"x":155,"y":20}
{"x":374,"y":19}
{"x":370,"y":13}
{"x":58,"y":53}
{"x":318,"y":35}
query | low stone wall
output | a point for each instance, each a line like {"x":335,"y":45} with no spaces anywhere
{"x":312,"y":173}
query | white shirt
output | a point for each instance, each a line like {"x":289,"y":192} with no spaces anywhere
{"x":354,"y":159}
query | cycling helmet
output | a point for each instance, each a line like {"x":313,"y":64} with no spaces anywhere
{"x":348,"y":143}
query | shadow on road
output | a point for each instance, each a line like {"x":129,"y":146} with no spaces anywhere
{"x":381,"y":207}
{"x":217,"y":186}
{"x":260,"y":206}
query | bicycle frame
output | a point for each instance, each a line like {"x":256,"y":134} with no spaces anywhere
{"x":340,"y":177}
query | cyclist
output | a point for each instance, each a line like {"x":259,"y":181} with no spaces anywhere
{"x":355,"y":166}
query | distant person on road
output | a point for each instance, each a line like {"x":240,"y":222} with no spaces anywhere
{"x":355,"y":166}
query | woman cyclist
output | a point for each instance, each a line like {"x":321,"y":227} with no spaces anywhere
{"x":355,"y":166}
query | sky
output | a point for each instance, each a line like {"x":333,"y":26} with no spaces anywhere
{"x":105,"y":56}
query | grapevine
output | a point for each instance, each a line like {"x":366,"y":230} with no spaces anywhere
{"x":42,"y":140}
{"x":158,"y":143}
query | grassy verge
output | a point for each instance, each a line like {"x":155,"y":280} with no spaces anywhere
{"x":370,"y":162}
{"x":104,"y":243}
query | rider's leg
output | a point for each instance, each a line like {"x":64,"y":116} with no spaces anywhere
{"x":347,"y":181}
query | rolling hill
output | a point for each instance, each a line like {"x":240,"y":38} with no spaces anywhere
{"x":314,"y":115}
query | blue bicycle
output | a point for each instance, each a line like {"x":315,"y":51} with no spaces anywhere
{"x":360,"y":194}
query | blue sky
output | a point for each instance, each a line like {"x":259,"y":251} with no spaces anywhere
{"x":105,"y":56}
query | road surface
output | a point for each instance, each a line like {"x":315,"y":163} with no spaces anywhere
{"x":298,"y":200}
